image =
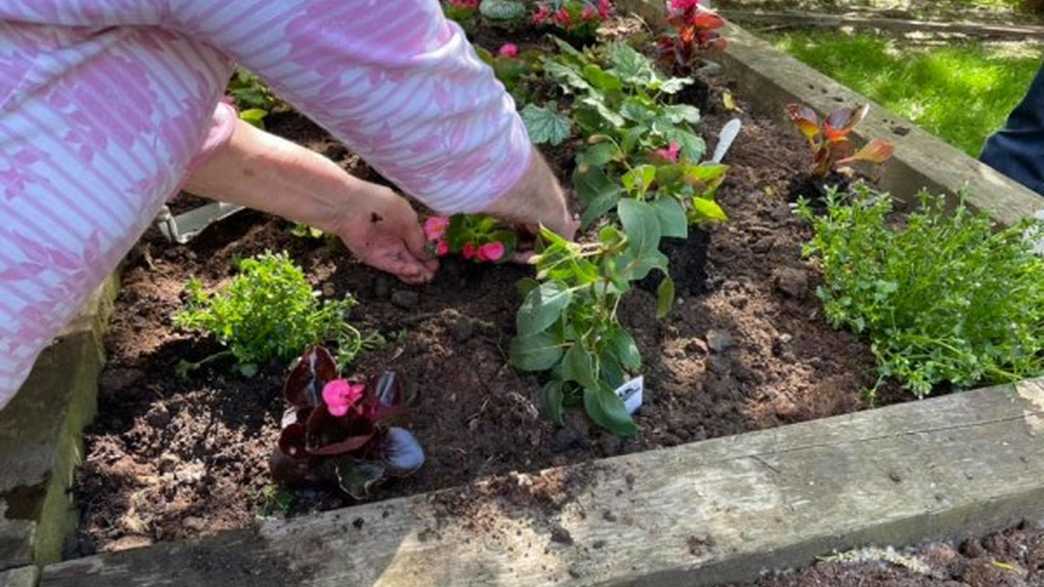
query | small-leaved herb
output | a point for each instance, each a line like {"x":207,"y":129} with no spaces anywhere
{"x":268,"y":311}
{"x":945,"y":299}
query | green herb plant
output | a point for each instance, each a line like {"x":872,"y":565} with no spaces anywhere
{"x":268,"y":312}
{"x":947,"y":298}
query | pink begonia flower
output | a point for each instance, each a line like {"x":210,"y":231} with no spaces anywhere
{"x":491,"y":251}
{"x":562,"y":17}
{"x":679,"y":6}
{"x":509,"y":50}
{"x":670,"y":154}
{"x":541,"y":14}
{"x":605,"y":8}
{"x":589,"y":12}
{"x":442,"y":248}
{"x":340,"y":395}
{"x":435,"y":227}
{"x":469,"y":251}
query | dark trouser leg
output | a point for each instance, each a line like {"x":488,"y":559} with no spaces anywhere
{"x":1018,"y":149}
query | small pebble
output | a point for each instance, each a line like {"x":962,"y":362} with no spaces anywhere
{"x":719,"y":341}
{"x":382,"y":287}
{"x":405,"y":299}
{"x":793,"y":282}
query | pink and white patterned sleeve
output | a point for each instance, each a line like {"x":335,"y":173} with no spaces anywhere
{"x":105,"y":105}
{"x":397,"y":82}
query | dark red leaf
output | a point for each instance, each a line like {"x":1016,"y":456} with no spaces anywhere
{"x":329,"y":435}
{"x":292,"y":441}
{"x":805,"y":119}
{"x":840,"y":123}
{"x":876,"y":151}
{"x":706,"y":20}
{"x":304,"y":385}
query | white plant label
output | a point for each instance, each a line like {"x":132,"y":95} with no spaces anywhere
{"x":631,"y":393}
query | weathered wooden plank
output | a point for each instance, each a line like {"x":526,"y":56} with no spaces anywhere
{"x":698,"y":514}
{"x":813,"y":19}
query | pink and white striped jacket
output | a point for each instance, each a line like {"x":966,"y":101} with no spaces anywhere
{"x":105,"y":104}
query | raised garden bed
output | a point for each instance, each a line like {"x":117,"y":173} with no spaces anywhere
{"x":746,"y":350}
{"x":170,"y":458}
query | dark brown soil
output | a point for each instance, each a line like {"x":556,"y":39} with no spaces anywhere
{"x":169,"y":458}
{"x":687,"y":258}
{"x":1012,"y":558}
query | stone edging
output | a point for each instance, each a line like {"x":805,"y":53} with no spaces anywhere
{"x":41,"y":438}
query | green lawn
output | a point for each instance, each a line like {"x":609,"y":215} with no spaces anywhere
{"x":960,"y":92}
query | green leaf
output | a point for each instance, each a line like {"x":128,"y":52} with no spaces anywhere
{"x":641,"y":225}
{"x":673,"y":221}
{"x":631,"y":66}
{"x":568,"y":77}
{"x":598,"y":193}
{"x":526,"y":285}
{"x":674,"y":84}
{"x":598,"y":155}
{"x":569,"y":50}
{"x":705,"y":178}
{"x":537,"y":352}
{"x":608,"y":411}
{"x":610,"y":235}
{"x":611,"y":371}
{"x":579,"y":365}
{"x":484,"y":55}
{"x":546,"y":125}
{"x":638,"y":179}
{"x":631,"y":138}
{"x":597,"y":102}
{"x":625,"y":349}
{"x":692,"y":146}
{"x":554,"y":397}
{"x":678,"y":113}
{"x":602,"y":79}
{"x":254,"y":116}
{"x":502,"y":9}
{"x":664,"y":297}
{"x":704,"y":210}
{"x":638,"y":110}
{"x":542,"y":307}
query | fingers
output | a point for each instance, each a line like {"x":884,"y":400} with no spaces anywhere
{"x":401,"y":263}
{"x":417,"y":245}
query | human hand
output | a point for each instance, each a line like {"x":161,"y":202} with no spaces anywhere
{"x":381,"y":229}
{"x":537,"y":200}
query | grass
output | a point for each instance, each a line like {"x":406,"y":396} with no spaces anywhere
{"x":960,"y":92}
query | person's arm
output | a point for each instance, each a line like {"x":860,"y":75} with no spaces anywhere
{"x":400,"y":85}
{"x":537,"y":199}
{"x":262,"y":171}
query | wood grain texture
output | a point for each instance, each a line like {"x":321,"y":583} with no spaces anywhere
{"x":699,"y":514}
